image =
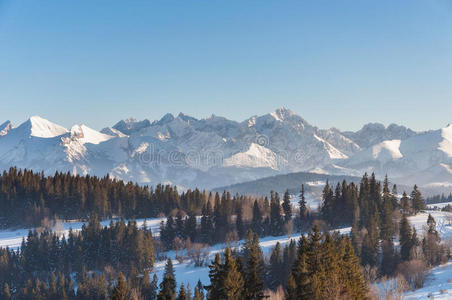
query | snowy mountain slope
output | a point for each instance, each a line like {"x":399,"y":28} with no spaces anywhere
{"x":215,"y":151}
{"x":374,"y":133}
{"x":131,"y":125}
{"x":424,"y":158}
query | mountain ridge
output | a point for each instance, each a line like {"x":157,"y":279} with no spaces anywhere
{"x":215,"y":151}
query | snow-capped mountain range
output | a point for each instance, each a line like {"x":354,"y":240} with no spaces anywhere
{"x":216,"y":151}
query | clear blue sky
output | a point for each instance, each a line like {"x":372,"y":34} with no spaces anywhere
{"x":336,"y":63}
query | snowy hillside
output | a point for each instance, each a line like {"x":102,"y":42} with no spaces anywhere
{"x":423,"y":158}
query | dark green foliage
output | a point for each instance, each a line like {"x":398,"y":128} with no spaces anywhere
{"x":286,"y":206}
{"x":182,"y":293}
{"x":325,"y":268}
{"x":168,"y":284}
{"x":199,"y":292}
{"x":276,"y":268}
{"x":406,"y":239}
{"x":388,"y":257}
{"x":121,"y":290}
{"x":276,"y":220}
{"x":226,"y":279}
{"x":253,"y":267}
{"x":417,"y":200}
{"x":233,"y":283}
{"x":27,"y":197}
{"x":256,"y":224}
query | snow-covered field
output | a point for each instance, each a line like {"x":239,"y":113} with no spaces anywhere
{"x":188,"y":274}
{"x":439,"y":205}
{"x":438,"y":284}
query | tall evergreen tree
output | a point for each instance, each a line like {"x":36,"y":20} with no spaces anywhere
{"x":121,"y":290}
{"x":256,"y":224}
{"x":233,"y":284}
{"x":327,"y":203}
{"x":405,"y":238}
{"x":240,"y":227}
{"x":287,"y":208}
{"x":276,"y":221}
{"x":254,"y":286}
{"x":216,"y":275}
{"x":276,"y":272}
{"x":168,"y":284}
{"x":182,"y":293}
{"x":199,"y":291}
{"x":417,"y":200}
{"x":303,"y":209}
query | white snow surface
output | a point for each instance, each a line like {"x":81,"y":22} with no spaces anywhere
{"x":438,"y":284}
{"x":256,"y":156}
{"x":43,"y":128}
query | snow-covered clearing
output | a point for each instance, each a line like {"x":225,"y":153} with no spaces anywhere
{"x":438,"y":284}
{"x":438,"y":205}
{"x":186,"y":273}
{"x":443,"y":223}
{"x":439,"y":280}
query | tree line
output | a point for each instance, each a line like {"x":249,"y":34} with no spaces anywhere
{"x":27,"y":197}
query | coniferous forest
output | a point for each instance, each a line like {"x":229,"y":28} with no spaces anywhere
{"x":118,"y":261}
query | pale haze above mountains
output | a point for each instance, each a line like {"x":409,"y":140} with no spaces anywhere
{"x":215,"y":151}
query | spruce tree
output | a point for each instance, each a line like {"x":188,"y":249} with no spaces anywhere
{"x":233,"y":283}
{"x":239,"y":222}
{"x":199,"y":291}
{"x":327,"y":203}
{"x":370,"y":244}
{"x":405,"y":238}
{"x":417,"y":200}
{"x":121,"y":290}
{"x":215,"y":289}
{"x":256,"y":224}
{"x":254,"y":286}
{"x":182,"y":294}
{"x":291,"y":292}
{"x":388,"y":261}
{"x":300,"y":272}
{"x":276,"y":267}
{"x":303,"y":207}
{"x":168,"y":284}
{"x":287,"y":208}
{"x":354,"y":280}
{"x":276,"y":221}
{"x":405,"y":203}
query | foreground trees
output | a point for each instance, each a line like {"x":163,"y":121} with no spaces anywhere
{"x":325,"y":266}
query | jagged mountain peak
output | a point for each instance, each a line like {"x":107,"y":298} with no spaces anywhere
{"x":186,"y":118}
{"x":131,"y":125}
{"x":374,"y":133}
{"x":40,"y":127}
{"x":85,"y":134}
{"x":167,"y":118}
{"x":282,"y":114}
